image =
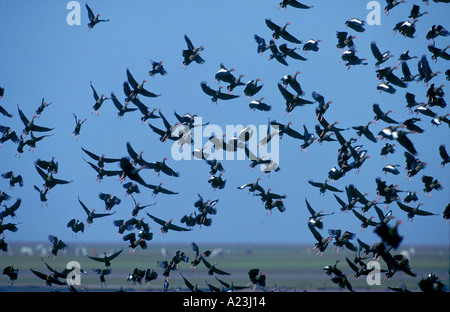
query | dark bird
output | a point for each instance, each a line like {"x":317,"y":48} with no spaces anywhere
{"x":291,"y":80}
{"x":57,"y":245}
{"x":365,"y":222}
{"x":138,"y":88}
{"x":380,"y":115}
{"x":259,"y":105}
{"x":332,"y":269}
{"x":436,"y":31}
{"x":11,"y":210}
{"x":102,"y":172}
{"x":281,"y":32}
{"x":415,"y":12}
{"x":290,"y":52}
{"x":136,"y":241}
{"x":212,"y":269}
{"x":93,"y":19}
{"x":42,"y":195}
{"x":410,"y":124}
{"x":411,"y":101}
{"x":225,"y":75}
{"x":216,"y":94}
{"x":344,"y":40}
{"x":11,"y":272}
{"x":262,"y":46}
{"x":189,"y":285}
{"x":8,"y":227}
{"x":316,"y":217}
{"x":98,"y":100}
{"x":437,"y":52}
{"x":101,"y":160}
{"x":414,"y":211}
{"x":50,"y":166}
{"x":293,"y":3}
{"x":76,"y":226}
{"x":50,"y":180}
{"x":159,"y":189}
{"x":91,"y":215}
{"x":8,"y":134}
{"x":167,"y":225}
{"x":430,"y":184}
{"x":252,"y":87}
{"x":389,"y":234}
{"x":13,"y":179}
{"x":364,"y":130}
{"x":215,"y":166}
{"x":322,"y":242}
{"x":30,"y":125}
{"x":444,"y":155}
{"x":109,"y":199}
{"x":276,"y":54}
{"x":406,"y":57}
{"x":311,"y":45}
{"x":4,"y":196}
{"x":192,"y":54}
{"x":342,"y":282}
{"x":356,"y":24}
{"x":78,"y":123}
{"x":145,"y":111}
{"x":342,"y":239}
{"x":323,"y":187}
{"x":122,"y":109}
{"x":131,"y":171}
{"x":217,"y":182}
{"x":157,"y":68}
{"x":257,"y":278}
{"x":161,"y":166}
{"x":106,"y":259}
{"x":253,"y":187}
{"x":392,"y":4}
{"x":102,"y":273}
{"x":292,"y":101}
{"x":49,"y":279}
{"x":198,"y":256}
{"x":424,"y":69}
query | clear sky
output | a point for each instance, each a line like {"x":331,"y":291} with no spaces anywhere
{"x":44,"y":57}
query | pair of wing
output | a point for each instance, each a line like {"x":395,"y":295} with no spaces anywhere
{"x":106,"y":258}
{"x":167,"y":224}
{"x":91,"y":213}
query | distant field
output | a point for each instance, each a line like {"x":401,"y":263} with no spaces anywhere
{"x":287,"y":267}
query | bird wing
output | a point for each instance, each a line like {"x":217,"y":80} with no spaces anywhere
{"x":310,"y":209}
{"x":352,"y":265}
{"x":375,"y":51}
{"x":157,"y":130}
{"x":189,"y":43}
{"x":131,"y":79}
{"x":177,"y":228}
{"x":41,"y":173}
{"x":272,"y":25}
{"x":24,"y":119}
{"x":116,"y":102}
{"x":114,"y":255}
{"x":315,"y":233}
{"x":287,"y":36}
{"x":207,"y":89}
{"x":39,"y":274}
{"x":84,"y":206}
{"x":156,"y":219}
{"x":131,"y":151}
{"x":90,"y":13}
{"x":443,"y":153}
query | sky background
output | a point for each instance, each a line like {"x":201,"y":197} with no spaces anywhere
{"x":44,"y":57}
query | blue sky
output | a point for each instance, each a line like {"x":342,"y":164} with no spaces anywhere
{"x":44,"y":57}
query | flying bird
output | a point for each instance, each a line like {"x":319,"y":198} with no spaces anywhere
{"x":93,"y":19}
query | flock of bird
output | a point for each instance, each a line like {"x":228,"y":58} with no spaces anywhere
{"x":351,"y":155}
